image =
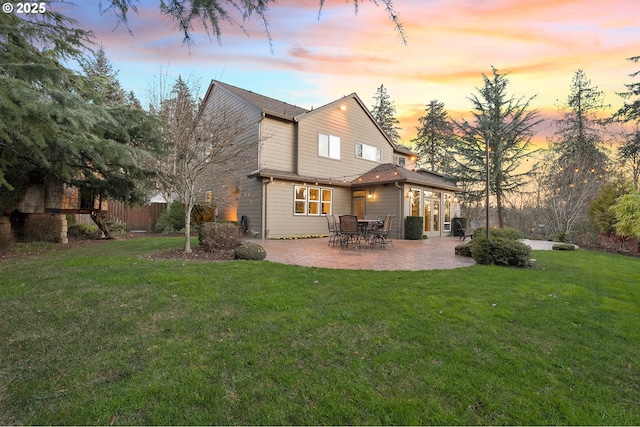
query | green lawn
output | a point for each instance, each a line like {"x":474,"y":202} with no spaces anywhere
{"x":103,"y":334}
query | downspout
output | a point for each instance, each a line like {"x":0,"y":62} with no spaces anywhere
{"x":265,"y":183}
{"x":401,"y":204}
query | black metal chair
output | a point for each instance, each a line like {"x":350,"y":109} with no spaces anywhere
{"x":334,"y":230}
{"x":349,"y":231}
{"x":380,"y":235}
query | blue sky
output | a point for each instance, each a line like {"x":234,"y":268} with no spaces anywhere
{"x":451,"y":43}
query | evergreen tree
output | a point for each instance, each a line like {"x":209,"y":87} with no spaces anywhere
{"x":435,"y":136}
{"x":503,"y":125}
{"x":577,"y":164}
{"x":384,"y":112}
{"x":629,"y":155}
{"x":56,"y":124}
{"x":630,"y":111}
{"x":100,"y":70}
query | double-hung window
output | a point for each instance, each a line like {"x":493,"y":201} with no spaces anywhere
{"x":329,"y":146}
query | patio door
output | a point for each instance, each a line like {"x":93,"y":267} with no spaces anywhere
{"x":358,"y":203}
{"x":432,"y":212}
{"x":431,"y":216}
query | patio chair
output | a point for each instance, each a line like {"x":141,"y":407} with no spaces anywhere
{"x":349,"y":231}
{"x":380,"y":234}
{"x":470,"y":230}
{"x":334,"y":230}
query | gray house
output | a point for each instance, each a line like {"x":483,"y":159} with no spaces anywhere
{"x":330,"y":160}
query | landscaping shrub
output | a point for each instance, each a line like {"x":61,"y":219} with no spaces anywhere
{"x":216,"y":236}
{"x":201,"y":214}
{"x":117,"y":228}
{"x":563,"y":247}
{"x":500,"y":251}
{"x":41,"y":228}
{"x":413,"y":228}
{"x":250,"y":251}
{"x":503,"y":233}
{"x":84,"y":231}
{"x":171,"y":220}
{"x":464,"y":250}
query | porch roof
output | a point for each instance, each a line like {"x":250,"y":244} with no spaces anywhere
{"x":296,"y":177}
{"x":382,"y":174}
{"x":388,"y":173}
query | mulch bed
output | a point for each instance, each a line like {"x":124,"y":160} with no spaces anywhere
{"x":197,"y":254}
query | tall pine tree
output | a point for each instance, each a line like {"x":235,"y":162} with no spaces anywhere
{"x":384,"y":112}
{"x":504,"y":125}
{"x":435,"y":136}
{"x":577,"y":163}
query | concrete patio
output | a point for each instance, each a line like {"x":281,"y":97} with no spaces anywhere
{"x":436,"y":253}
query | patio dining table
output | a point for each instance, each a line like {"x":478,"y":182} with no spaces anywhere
{"x":366,"y":225}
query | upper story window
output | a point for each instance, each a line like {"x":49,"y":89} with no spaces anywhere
{"x":329,"y":146}
{"x":399,"y":161}
{"x":368,"y":152}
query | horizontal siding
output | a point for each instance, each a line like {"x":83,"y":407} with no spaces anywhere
{"x":352,"y":125}
{"x":281,"y":222}
{"x":278,"y":149}
{"x":228,"y":183}
{"x":250,"y":204}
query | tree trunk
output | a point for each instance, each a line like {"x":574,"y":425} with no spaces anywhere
{"x":100,"y":220}
{"x":187,"y":228}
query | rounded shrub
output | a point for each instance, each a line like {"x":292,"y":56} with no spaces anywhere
{"x":171,"y":220}
{"x":503,"y":233}
{"x":464,"y":250}
{"x":500,"y":251}
{"x":250,"y":251}
{"x":83,"y":231}
{"x":217,"y":236}
{"x":413,"y":228}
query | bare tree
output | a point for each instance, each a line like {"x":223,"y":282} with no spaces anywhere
{"x":577,"y":163}
{"x":207,"y":144}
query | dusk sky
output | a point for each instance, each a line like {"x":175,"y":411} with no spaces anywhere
{"x":450,"y":44}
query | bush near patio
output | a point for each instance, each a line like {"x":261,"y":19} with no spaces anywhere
{"x":503,"y":233}
{"x":500,"y":251}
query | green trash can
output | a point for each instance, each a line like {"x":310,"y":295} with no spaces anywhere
{"x":413,"y":228}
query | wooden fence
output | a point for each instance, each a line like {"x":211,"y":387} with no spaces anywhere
{"x":139,"y":218}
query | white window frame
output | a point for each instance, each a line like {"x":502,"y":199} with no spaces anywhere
{"x":329,"y":146}
{"x":307,"y":202}
{"x":368,"y":152}
{"x":400,"y":161}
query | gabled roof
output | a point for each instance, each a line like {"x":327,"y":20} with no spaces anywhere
{"x":360,"y":103}
{"x":268,"y":105}
{"x":388,"y":173}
